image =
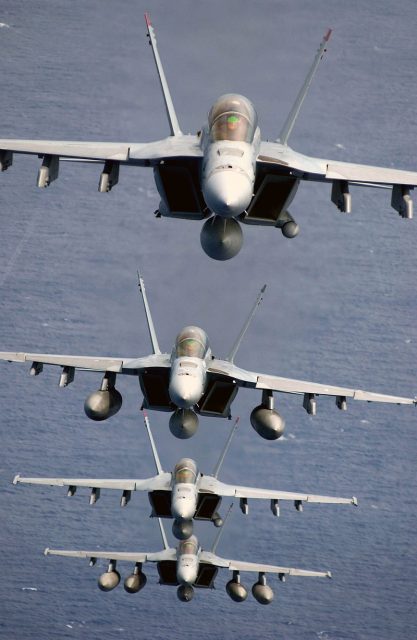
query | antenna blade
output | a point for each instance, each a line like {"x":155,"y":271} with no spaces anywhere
{"x":151,"y":326}
{"x":226,"y":448}
{"x":163,"y":534}
{"x":292,"y":117}
{"x":154,"y":450}
{"x":169,"y":105}
{"x":219,"y":533}
{"x":245,"y":327}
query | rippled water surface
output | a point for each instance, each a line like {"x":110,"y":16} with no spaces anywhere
{"x":340,"y":308}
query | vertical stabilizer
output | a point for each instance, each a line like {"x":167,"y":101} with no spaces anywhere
{"x":219,"y":534}
{"x":163,"y":534}
{"x":151,"y":327}
{"x":152,"y":441}
{"x":169,"y":105}
{"x":292,"y":117}
{"x":225,"y":449}
{"x":245,"y":327}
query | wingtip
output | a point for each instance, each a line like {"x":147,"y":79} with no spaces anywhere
{"x":328,"y":34}
{"x":329,"y":575}
{"x":46,"y":551}
{"x":148,"y":19}
{"x":355,"y":501}
{"x":16,"y":478}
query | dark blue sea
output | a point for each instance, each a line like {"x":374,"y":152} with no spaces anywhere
{"x":340,"y":308}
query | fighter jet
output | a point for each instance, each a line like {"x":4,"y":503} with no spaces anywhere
{"x":225,"y":173}
{"x":185,"y":494}
{"x":187,"y":567}
{"x":191,"y":380}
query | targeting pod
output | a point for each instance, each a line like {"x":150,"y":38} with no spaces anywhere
{"x":217,"y":519}
{"x":289,"y":228}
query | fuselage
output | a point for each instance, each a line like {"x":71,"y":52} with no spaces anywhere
{"x":230,"y":143}
{"x":189,"y":360}
{"x":184,"y":493}
{"x":187,"y":561}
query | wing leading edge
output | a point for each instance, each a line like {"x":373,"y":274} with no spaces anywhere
{"x":244,"y":378}
{"x":236,"y":565}
{"x":211,"y":485}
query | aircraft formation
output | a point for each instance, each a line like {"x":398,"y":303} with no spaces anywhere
{"x":225,"y":175}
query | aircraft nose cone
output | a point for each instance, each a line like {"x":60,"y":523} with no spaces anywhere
{"x":186,"y":571}
{"x":184,"y":391}
{"x":228,"y":193}
{"x":183,"y":509}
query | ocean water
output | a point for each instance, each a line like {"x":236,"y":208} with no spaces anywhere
{"x":340,"y":308}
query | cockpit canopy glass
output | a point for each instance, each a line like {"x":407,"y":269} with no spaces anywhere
{"x":232,"y":117}
{"x":185,"y":471}
{"x":191,"y":342}
{"x":188,"y":547}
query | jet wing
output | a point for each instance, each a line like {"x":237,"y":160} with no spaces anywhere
{"x":244,"y":378}
{"x":160,"y":482}
{"x":130,"y":366}
{"x":235,"y":565}
{"x":143,"y":154}
{"x":279,"y":162}
{"x":211,"y":485}
{"x":129,"y":556}
{"x":279,"y":156}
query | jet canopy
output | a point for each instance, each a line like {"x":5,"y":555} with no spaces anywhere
{"x":232,"y":117}
{"x":188,"y":547}
{"x":185,"y":471}
{"x":191,"y":342}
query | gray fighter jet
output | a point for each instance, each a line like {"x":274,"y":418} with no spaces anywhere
{"x":225,"y":172}
{"x":185,"y":494}
{"x":187,"y":566}
{"x":191,"y":380}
